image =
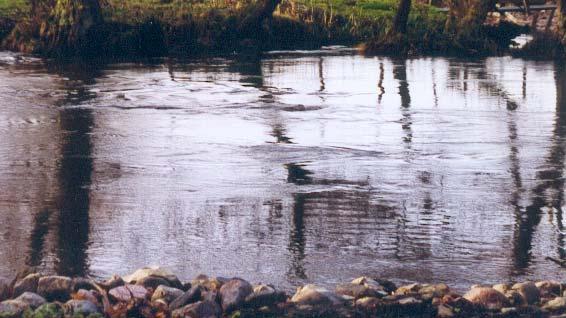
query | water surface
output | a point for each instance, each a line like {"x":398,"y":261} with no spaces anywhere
{"x":296,"y":167}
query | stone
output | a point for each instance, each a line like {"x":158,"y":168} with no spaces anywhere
{"x":515,"y":298}
{"x":460,"y":304}
{"x":509,"y":311}
{"x":166,"y":293}
{"x":388,"y":286}
{"x":201,"y":309}
{"x":234,"y":293}
{"x":264,"y":295}
{"x":549,"y":288}
{"x":155,"y":271}
{"x":445,"y":312}
{"x":314,"y":295}
{"x":5,"y":288}
{"x":160,"y":305}
{"x":556,"y":304}
{"x":430,"y":291}
{"x":409,"y":301}
{"x":138,"y":292}
{"x":13,"y":308}
{"x":32,"y":299}
{"x":487,"y":298}
{"x":83,"y":283}
{"x":26,"y":284}
{"x":55,"y":287}
{"x":368,"y":303}
{"x":208,"y":283}
{"x":502,"y":288}
{"x":112,"y":282}
{"x":153,"y":282}
{"x":120,"y":294}
{"x":80,"y":307}
{"x":358,"y":291}
{"x":50,"y":310}
{"x":366,"y":281}
{"x":210,"y":295}
{"x":128,"y":292}
{"x":189,"y":297}
{"x":408,"y":289}
{"x":529,"y":291}
{"x":83,"y":294}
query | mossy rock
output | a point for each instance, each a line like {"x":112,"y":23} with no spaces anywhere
{"x":49,"y":311}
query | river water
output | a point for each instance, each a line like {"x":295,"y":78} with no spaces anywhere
{"x":296,"y":167}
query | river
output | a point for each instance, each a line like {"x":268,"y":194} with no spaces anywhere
{"x":304,"y":166}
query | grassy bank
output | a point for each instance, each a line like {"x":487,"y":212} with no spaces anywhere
{"x":181,"y":27}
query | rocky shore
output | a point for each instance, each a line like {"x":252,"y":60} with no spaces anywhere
{"x":157,"y":292}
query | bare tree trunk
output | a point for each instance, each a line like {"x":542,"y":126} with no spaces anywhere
{"x":561,"y":18}
{"x":401,"y":17}
{"x":467,"y":16}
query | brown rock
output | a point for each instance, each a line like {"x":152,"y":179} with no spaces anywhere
{"x":201,"y":309}
{"x":408,"y":289}
{"x":5,"y":288}
{"x":83,"y":294}
{"x":264,"y":295}
{"x":120,"y":294}
{"x":445,"y":312}
{"x":549,"y":288}
{"x":13,"y":308}
{"x":208,"y":283}
{"x":234,"y":293}
{"x":26,"y":284}
{"x":314,"y":295}
{"x":160,"y":272}
{"x":557,"y":304}
{"x":112,"y":282}
{"x":138,"y":292}
{"x":368,"y":303}
{"x":33,"y":300}
{"x":128,"y":292}
{"x":430,"y":291}
{"x":528,"y":291}
{"x":166,"y":293}
{"x":55,"y":287}
{"x":153,"y":282}
{"x":74,"y":308}
{"x":502,"y":288}
{"x":488,"y":298}
{"x":189,"y":297}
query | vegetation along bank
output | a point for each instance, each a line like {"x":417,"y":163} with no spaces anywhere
{"x":115,"y":28}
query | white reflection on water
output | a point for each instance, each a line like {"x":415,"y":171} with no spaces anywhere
{"x":297,"y":167}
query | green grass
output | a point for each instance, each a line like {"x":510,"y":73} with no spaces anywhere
{"x":336,"y":21}
{"x":131,"y":10}
{"x":12,"y":8}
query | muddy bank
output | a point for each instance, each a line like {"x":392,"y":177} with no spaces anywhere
{"x":157,"y":292}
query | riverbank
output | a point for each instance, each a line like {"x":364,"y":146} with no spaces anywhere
{"x":137,"y":28}
{"x":157,"y":292}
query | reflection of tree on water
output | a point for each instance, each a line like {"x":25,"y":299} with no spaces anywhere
{"x":253,"y":76}
{"x":550,"y":189}
{"x":380,"y":86}
{"x":400,"y":75}
{"x":71,"y":208}
{"x":297,"y":238}
{"x":75,"y":173}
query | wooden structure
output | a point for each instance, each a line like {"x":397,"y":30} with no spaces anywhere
{"x":526,"y":6}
